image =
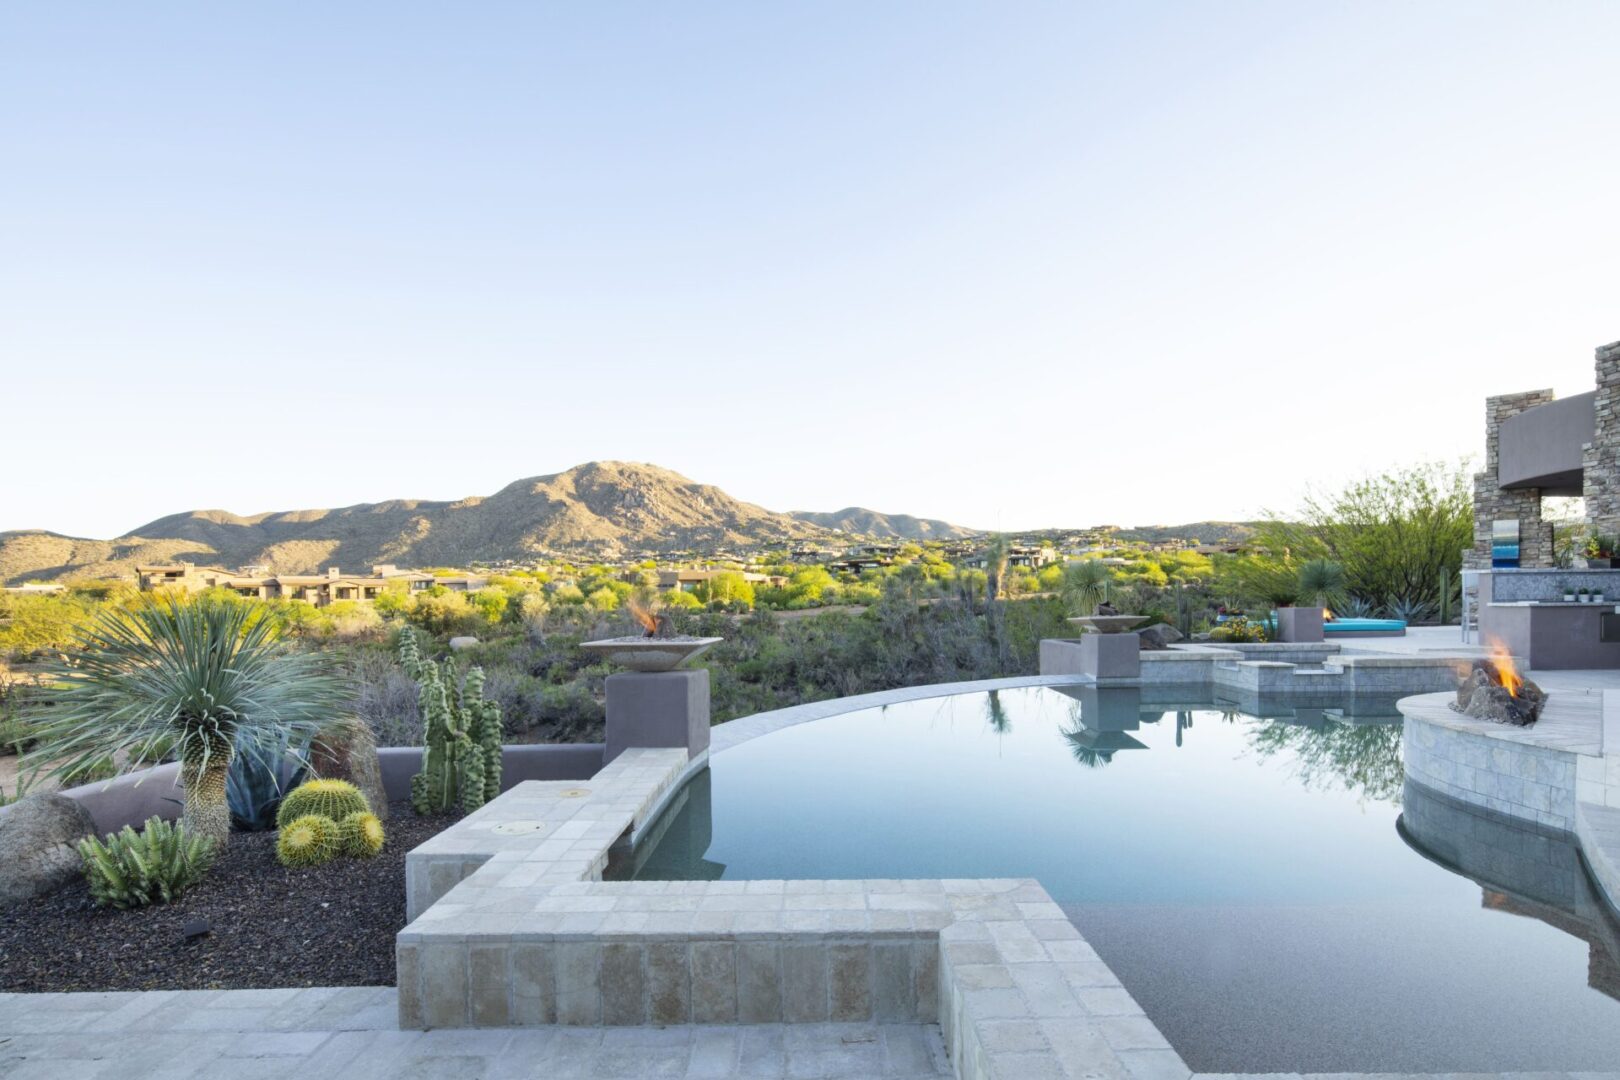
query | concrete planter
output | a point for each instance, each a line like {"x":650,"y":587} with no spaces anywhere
{"x":649,"y":654}
{"x":1299,"y":624}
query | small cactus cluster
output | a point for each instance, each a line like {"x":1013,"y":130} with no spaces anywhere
{"x":322,"y":819}
{"x":129,"y":870}
{"x":461,"y":755}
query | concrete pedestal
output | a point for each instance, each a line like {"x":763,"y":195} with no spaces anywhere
{"x":1299,"y":624}
{"x":1102,"y":656}
{"x":664,"y":708}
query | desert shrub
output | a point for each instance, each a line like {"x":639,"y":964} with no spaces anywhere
{"x":130,"y":870}
{"x":1238,"y":630}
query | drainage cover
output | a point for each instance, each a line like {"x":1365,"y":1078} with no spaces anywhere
{"x":517,"y":828}
{"x":574,"y":793}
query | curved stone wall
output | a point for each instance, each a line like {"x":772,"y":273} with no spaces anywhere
{"x":1459,"y":757}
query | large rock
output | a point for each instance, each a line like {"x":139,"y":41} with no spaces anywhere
{"x":349,"y":752}
{"x":38,"y":835}
{"x":1158,"y":636}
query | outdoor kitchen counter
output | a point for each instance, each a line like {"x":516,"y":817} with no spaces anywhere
{"x":1552,"y":635}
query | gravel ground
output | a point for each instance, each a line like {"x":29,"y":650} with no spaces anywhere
{"x":330,"y":925}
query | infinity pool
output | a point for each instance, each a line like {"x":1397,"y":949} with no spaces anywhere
{"x":1252,"y":880}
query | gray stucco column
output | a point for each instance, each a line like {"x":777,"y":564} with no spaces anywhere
{"x":656,"y":709}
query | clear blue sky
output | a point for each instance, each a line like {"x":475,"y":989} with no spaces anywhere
{"x":1008,"y":264}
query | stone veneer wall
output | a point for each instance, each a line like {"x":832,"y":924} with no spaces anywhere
{"x":1491,"y":503}
{"x":1601,"y":460}
{"x":1534,"y":783}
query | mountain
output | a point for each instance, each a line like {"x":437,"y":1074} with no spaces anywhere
{"x":864,"y":522}
{"x":604,"y":509}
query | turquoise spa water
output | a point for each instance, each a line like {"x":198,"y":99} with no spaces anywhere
{"x":1267,"y":887}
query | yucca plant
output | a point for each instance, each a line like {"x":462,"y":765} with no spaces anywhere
{"x":1085,"y":585}
{"x":194,"y":678}
{"x":1322,"y":582}
{"x":130,"y":870}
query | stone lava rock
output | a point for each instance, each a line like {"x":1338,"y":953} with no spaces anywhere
{"x":1483,"y":697}
{"x":37,"y":852}
{"x":349,"y":752}
{"x":1158,"y":636}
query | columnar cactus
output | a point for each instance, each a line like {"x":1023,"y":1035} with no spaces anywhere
{"x":410,"y":653}
{"x":485,"y":729}
{"x":461,"y":753}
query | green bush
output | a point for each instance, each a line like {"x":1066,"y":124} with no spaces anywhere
{"x":130,"y":870}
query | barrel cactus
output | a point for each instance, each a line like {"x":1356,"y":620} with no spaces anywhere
{"x":362,"y":835}
{"x":308,"y":841}
{"x":334,"y":799}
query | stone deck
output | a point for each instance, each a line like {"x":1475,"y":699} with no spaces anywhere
{"x":350,"y":1032}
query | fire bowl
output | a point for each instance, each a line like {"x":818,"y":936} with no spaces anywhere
{"x":1108,"y":624}
{"x":1497,"y":692}
{"x":649,"y":653}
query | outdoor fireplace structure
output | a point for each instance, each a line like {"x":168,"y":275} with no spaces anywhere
{"x":1537,"y":445}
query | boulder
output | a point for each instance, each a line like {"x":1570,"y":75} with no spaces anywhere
{"x":1158,"y":636}
{"x":38,"y":834}
{"x":459,"y":643}
{"x":349,"y":752}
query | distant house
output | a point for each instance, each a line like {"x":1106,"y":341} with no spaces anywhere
{"x":689,"y":580}
{"x":327,"y":587}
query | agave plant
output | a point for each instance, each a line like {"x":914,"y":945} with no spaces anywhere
{"x":197,"y":679}
{"x":1322,"y":582}
{"x":1412,"y":609}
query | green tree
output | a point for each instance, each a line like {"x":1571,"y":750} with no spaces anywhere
{"x":1397,"y":535}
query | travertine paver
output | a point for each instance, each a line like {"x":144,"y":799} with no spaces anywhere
{"x":349,"y":1032}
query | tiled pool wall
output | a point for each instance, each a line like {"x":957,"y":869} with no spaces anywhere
{"x":1530,"y":782}
{"x":513,"y":927}
{"x":1563,"y":773}
{"x":1273,"y":668}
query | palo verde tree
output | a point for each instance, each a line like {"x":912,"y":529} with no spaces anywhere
{"x":193,"y":678}
{"x":1397,"y":535}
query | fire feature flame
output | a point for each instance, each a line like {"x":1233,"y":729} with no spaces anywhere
{"x":1506,"y":671}
{"x":1327,"y":614}
{"x":643,"y":615}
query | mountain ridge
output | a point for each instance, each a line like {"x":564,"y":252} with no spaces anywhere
{"x":601,"y":509}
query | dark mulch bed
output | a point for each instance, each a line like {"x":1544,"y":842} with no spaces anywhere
{"x":330,"y":925}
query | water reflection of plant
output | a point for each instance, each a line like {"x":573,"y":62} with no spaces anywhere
{"x":1363,"y":758}
{"x":995,"y":713}
{"x":1075,"y":735}
{"x":1089,"y":756}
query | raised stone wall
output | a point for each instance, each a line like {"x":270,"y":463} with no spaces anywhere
{"x":1601,"y":460}
{"x":1492,"y":504}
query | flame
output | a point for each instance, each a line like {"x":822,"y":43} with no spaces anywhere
{"x":1506,"y":670}
{"x":1327,"y":614}
{"x":643,"y":615}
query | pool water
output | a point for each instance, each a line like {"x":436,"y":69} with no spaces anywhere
{"x":1250,"y":879}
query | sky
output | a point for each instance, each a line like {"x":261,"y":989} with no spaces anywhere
{"x":1012,"y":264}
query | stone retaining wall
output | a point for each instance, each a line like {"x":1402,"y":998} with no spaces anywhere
{"x":1520,"y":780}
